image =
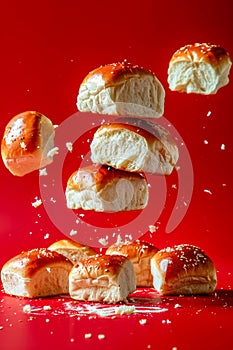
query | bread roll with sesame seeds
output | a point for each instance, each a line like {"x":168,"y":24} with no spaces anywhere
{"x":140,"y":254}
{"x":27,"y":139}
{"x":121,"y":89}
{"x":199,"y":68}
{"x":183,"y":269}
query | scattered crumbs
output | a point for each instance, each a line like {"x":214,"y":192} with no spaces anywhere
{"x":166,"y":321}
{"x":176,"y":306}
{"x":87,"y":335}
{"x":73,"y":232}
{"x":223,"y":147}
{"x":208,"y":114}
{"x":37,"y":202}
{"x":54,"y":151}
{"x":43,"y":172}
{"x":153,"y":228}
{"x":27,"y":308}
{"x":47,"y":307}
{"x":46,"y":236}
{"x":142,"y":321}
{"x":207,"y":191}
{"x":125,"y":310}
{"x":69,"y":146}
{"x":206,"y":142}
{"x":101,"y":336}
{"x":103,"y":241}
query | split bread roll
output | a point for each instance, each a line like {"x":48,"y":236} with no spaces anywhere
{"x":36,"y":273}
{"x":199,"y":68}
{"x":121,"y":89}
{"x":183,"y":269}
{"x":138,"y":146}
{"x":73,"y":251}
{"x":140,"y":254}
{"x":103,"y":278}
{"x":27,"y":139}
{"x":105,"y":189}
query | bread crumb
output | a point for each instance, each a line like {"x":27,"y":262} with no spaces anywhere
{"x":73,"y":232}
{"x":143,"y":321}
{"x":208,"y":114}
{"x":206,"y":142}
{"x":54,"y":151}
{"x":47,"y":307}
{"x":101,"y":336}
{"x":223,"y":147}
{"x":103,"y":241}
{"x":71,"y":340}
{"x":176,"y":306}
{"x":27,"y":308}
{"x":87,"y":335}
{"x":69,"y":146}
{"x":43,"y":172}
{"x":153,"y":228}
{"x":37,"y":202}
{"x":1,"y":327}
{"x":124,"y":309}
{"x":207,"y":191}
{"x":46,"y":236}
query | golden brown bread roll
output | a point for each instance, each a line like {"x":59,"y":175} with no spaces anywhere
{"x":199,"y":68}
{"x":73,"y":251}
{"x":26,"y":141}
{"x":36,"y":273}
{"x":183,"y":269}
{"x":140,"y":254}
{"x":103,"y":278}
{"x":105,"y":189}
{"x":138,"y":146}
{"x":121,"y":89}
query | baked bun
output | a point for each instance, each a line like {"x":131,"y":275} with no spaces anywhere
{"x":199,"y":68}
{"x":103,"y":278}
{"x":26,"y":141}
{"x":36,"y":273}
{"x":139,"y":146}
{"x":121,"y":89}
{"x":105,"y":189}
{"x":183,"y":269}
{"x":140,"y":254}
{"x":73,"y":251}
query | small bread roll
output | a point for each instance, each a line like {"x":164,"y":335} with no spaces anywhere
{"x":199,"y":68}
{"x":183,"y":269}
{"x":139,"y":146}
{"x":121,"y":89}
{"x":73,"y":251}
{"x":105,"y":189}
{"x":26,"y":141}
{"x":103,"y":278}
{"x":140,"y":254}
{"x":36,"y":273}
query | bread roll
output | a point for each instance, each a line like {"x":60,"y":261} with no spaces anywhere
{"x":140,"y":254}
{"x":105,"y":189}
{"x":73,"y":251}
{"x":199,"y":68}
{"x":36,"y":273}
{"x":139,"y":146}
{"x":102,"y":278}
{"x":121,"y":89}
{"x":183,"y":269}
{"x":26,"y":141}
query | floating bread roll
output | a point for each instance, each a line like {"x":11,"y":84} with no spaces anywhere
{"x":27,"y":139}
{"x":140,"y":254}
{"x":121,"y":89}
{"x":103,"y":278}
{"x":199,"y":68}
{"x":36,"y":273}
{"x":136,"y":146}
{"x":183,"y":269}
{"x":105,"y":189}
{"x":73,"y":251}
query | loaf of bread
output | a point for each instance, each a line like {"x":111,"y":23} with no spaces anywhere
{"x":36,"y":273}
{"x":103,"y":278}
{"x":135,"y":146}
{"x":140,"y":254}
{"x":105,"y":189}
{"x":199,"y":68}
{"x":72,"y":250}
{"x":121,"y":89}
{"x":183,"y":269}
{"x":27,"y":139}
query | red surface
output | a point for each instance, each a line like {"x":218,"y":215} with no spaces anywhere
{"x":46,"y":50}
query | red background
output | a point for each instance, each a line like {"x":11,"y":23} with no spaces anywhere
{"x":46,"y":50}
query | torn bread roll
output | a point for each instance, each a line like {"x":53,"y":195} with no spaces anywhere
{"x":136,"y":146}
{"x":183,"y":269}
{"x":27,"y":139}
{"x":199,"y":68}
{"x":140,"y":254}
{"x":73,"y":251}
{"x":121,"y":89}
{"x":103,"y":278}
{"x":36,"y":273}
{"x":105,"y":189}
